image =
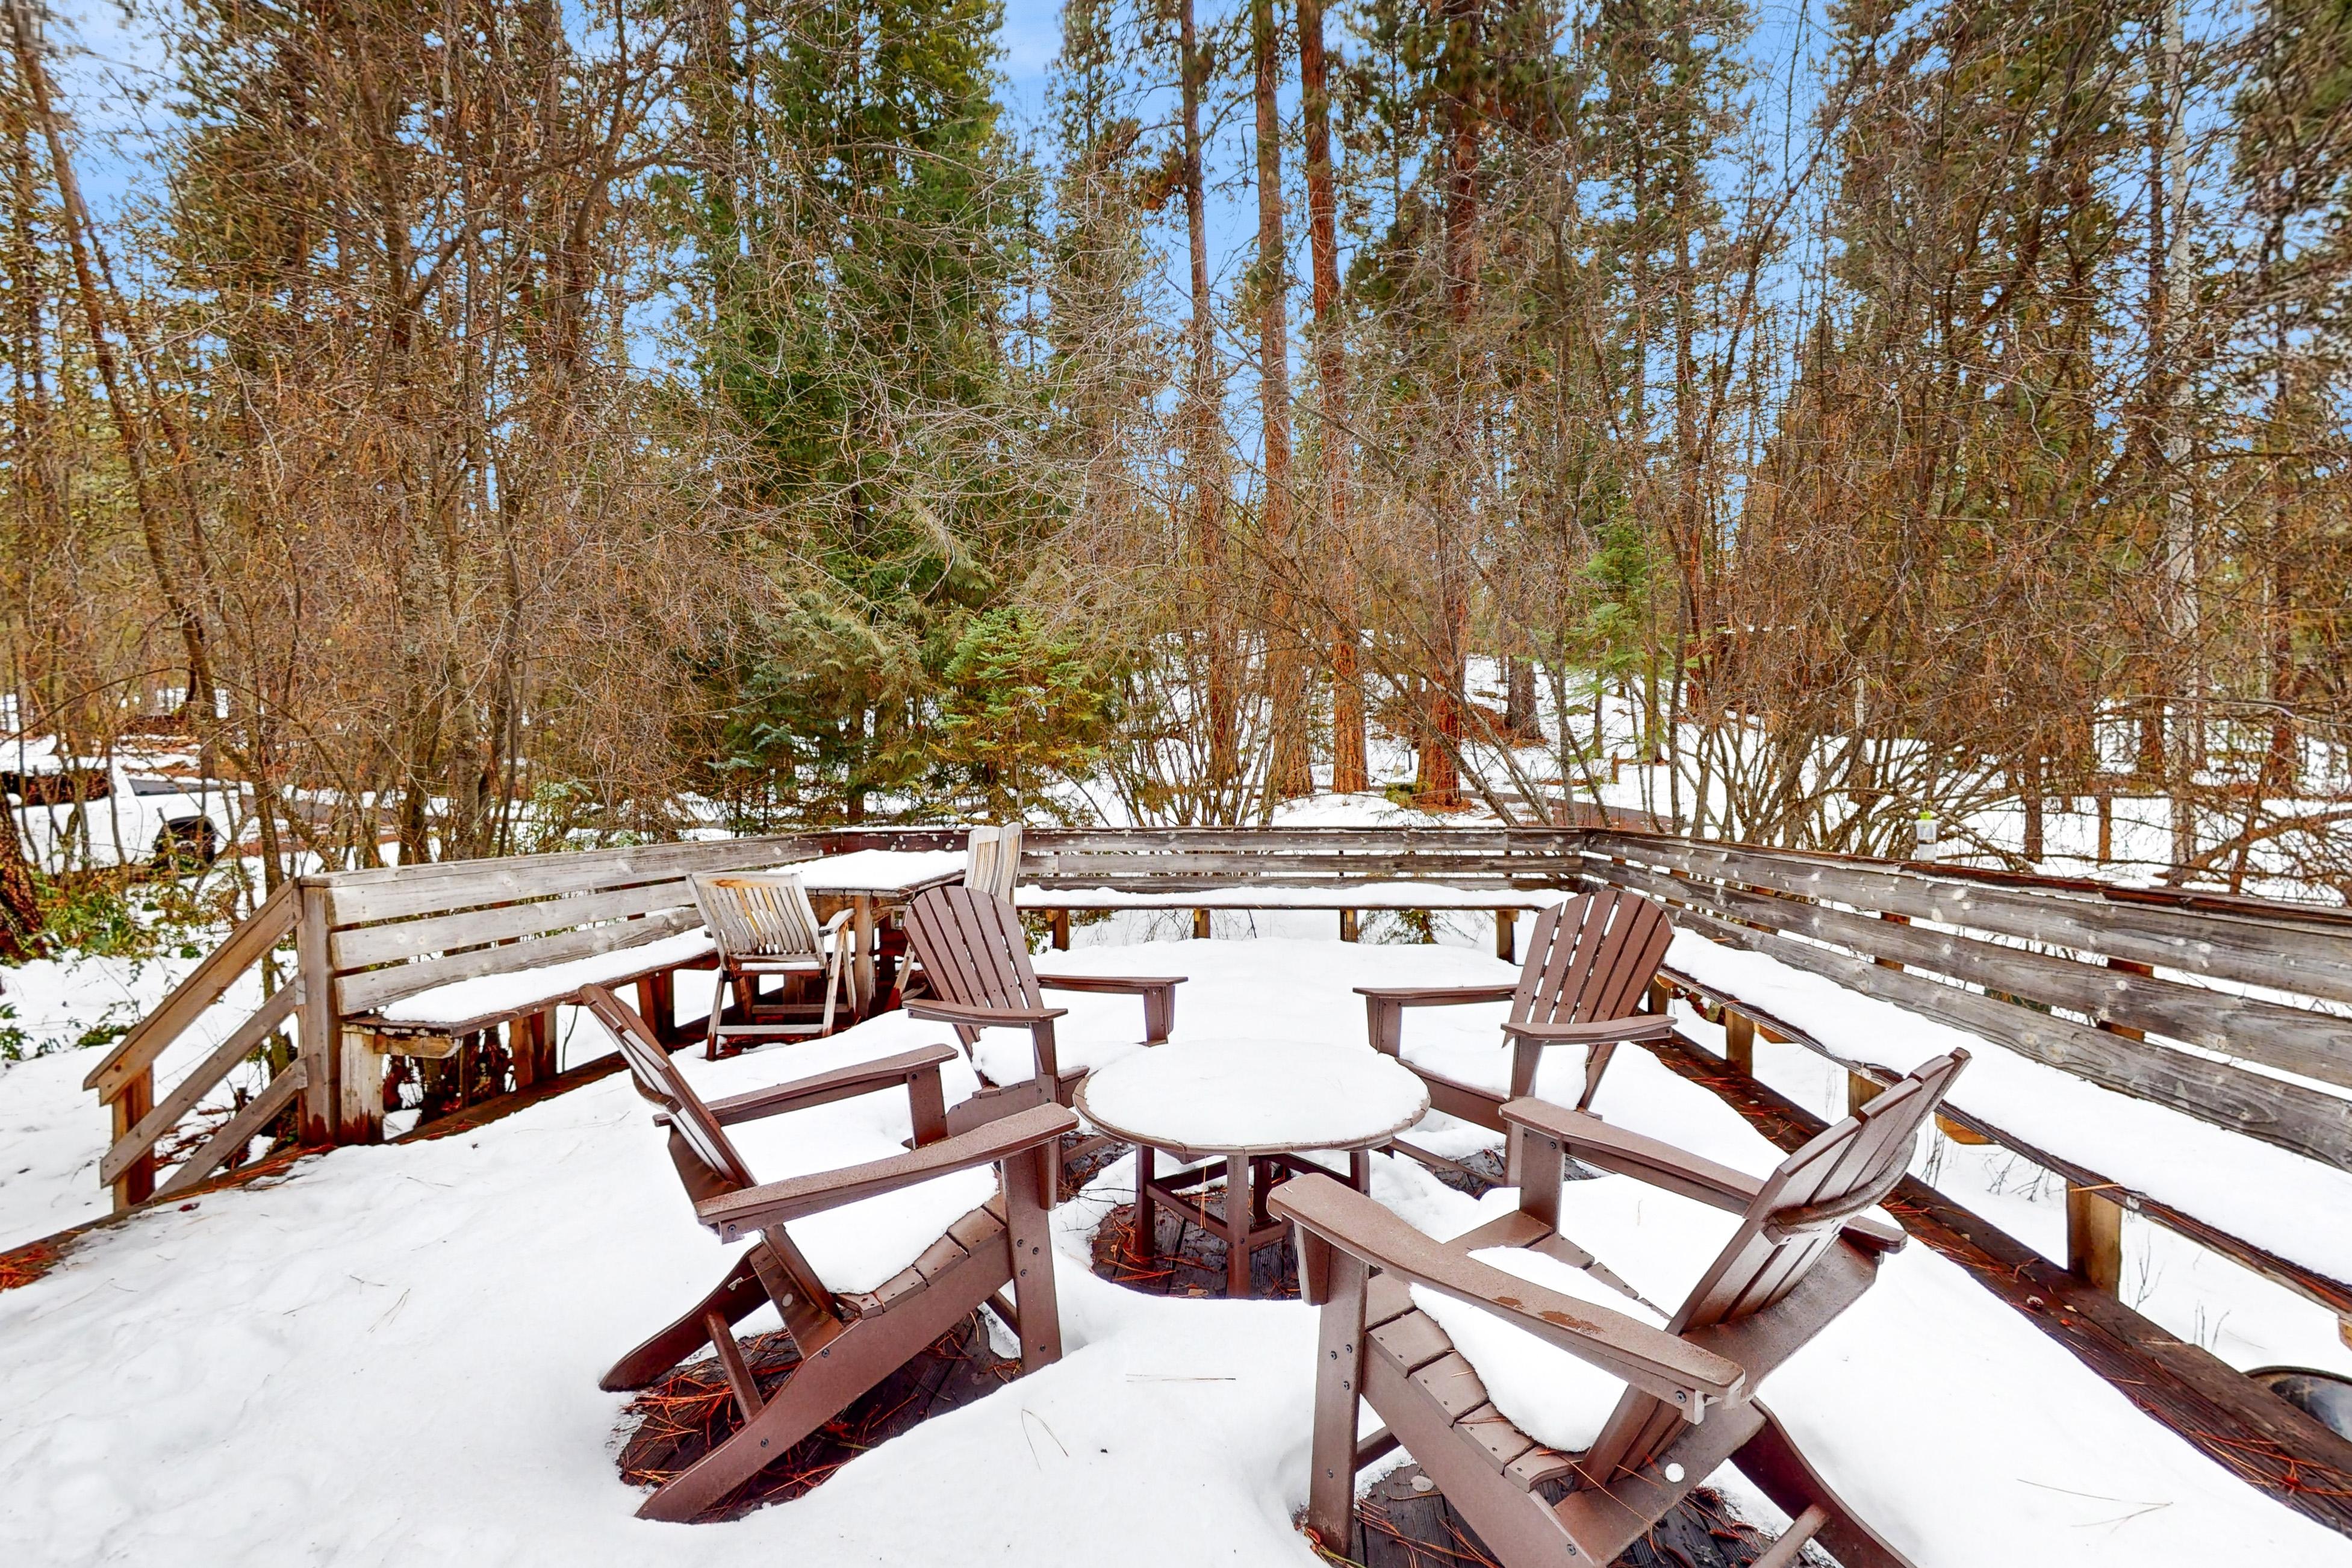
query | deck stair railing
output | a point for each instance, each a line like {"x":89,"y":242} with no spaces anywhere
{"x":125,"y":1081}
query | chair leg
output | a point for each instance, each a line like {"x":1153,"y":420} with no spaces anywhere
{"x":1338,"y":1385}
{"x":812,"y":1395}
{"x":840,"y":1369}
{"x":719,"y":993}
{"x":832,"y":984}
{"x":737,"y":1297}
{"x":1029,"y":1179}
{"x":1147,"y":1214}
{"x":1595,"y":1063}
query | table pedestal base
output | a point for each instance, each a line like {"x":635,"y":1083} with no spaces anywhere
{"x":1244,"y":1222}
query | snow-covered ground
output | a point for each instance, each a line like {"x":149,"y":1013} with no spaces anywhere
{"x":392,"y":1354}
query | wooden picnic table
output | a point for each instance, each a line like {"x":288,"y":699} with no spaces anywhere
{"x":872,"y":883}
{"x":1260,"y":1105}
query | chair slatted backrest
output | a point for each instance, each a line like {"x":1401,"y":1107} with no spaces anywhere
{"x":972,"y":950}
{"x":758,"y":914}
{"x":1591,"y":958}
{"x":658,"y":1079}
{"x":718,"y":1169}
{"x":1792,"y":1222}
{"x":992,"y":860}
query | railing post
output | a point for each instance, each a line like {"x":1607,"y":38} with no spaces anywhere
{"x":1507,"y":935}
{"x":321,"y":1042}
{"x":2095,"y":1239}
{"x":1860,"y":1091}
{"x":1740,"y":1041}
{"x":1350,"y":925}
{"x":137,"y":1182}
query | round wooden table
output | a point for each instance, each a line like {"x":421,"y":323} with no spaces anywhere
{"x":1256,"y":1104}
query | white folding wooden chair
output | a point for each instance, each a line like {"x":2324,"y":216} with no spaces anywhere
{"x":993,"y":866}
{"x":763,"y":924}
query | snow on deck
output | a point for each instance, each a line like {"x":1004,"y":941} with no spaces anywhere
{"x":393,"y":1354}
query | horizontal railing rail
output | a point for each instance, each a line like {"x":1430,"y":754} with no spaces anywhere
{"x":2115,"y":992}
{"x":125,"y":1081}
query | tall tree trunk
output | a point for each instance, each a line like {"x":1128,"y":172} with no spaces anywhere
{"x":2282,"y":762}
{"x":1349,"y":773}
{"x":1289,"y":721}
{"x":1519,"y":698}
{"x":2167,"y":194}
{"x":1440,"y":785}
{"x":1204,"y":438}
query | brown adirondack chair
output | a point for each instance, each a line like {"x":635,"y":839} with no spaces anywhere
{"x":1589,"y":962}
{"x":848,"y":1342}
{"x":1803,"y":1250}
{"x":976,"y":960}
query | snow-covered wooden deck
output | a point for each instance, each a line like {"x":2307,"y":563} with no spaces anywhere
{"x":392,"y":1352}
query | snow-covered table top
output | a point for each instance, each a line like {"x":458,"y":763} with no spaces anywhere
{"x":1326,"y":896}
{"x":1247,"y":1096}
{"x":886,"y":872}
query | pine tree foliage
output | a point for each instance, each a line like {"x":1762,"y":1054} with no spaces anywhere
{"x":497,"y":426}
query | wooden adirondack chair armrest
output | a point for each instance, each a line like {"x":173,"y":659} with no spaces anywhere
{"x":1113,"y":984}
{"x":1438,"y":996}
{"x":1874,"y":1235}
{"x":825,"y":1088}
{"x":1595,"y":1031}
{"x":1384,"y":1007}
{"x":1650,"y":1160}
{"x":1683,"y":1375}
{"x":931,"y":1010}
{"x":738,"y":1214}
{"x":1158,"y":990}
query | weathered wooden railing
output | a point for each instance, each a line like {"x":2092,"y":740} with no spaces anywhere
{"x":125,"y":1081}
{"x":365,"y":938}
{"x":2114,"y":985}
{"x":2099,"y":982}
{"x":2008,"y":958}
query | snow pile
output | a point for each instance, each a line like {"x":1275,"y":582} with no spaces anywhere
{"x":52,"y":1129}
{"x":393,"y":1354}
{"x":2253,"y":1190}
{"x":394,"y":1357}
{"x":1372,"y":810}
